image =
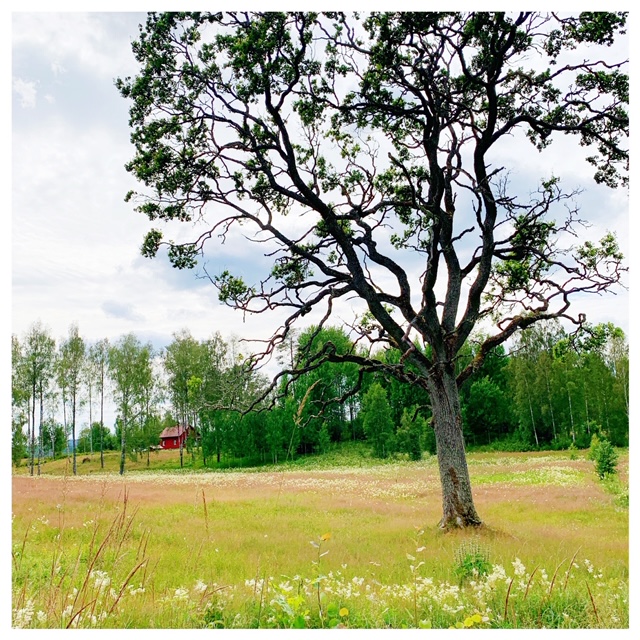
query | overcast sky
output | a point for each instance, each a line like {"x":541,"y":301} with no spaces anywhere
{"x":75,"y":242}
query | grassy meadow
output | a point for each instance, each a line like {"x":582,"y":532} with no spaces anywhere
{"x":339,"y":540}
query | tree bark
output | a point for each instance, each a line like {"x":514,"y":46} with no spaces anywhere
{"x":458,"y":510}
{"x":123,"y":441}
{"x":122,"y":448}
{"x":33,"y":426}
{"x":40,"y":440}
{"x":73,"y":431}
{"x":102,"y":423}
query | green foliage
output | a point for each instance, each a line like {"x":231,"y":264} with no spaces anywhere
{"x":612,"y":484}
{"x":429,"y":439}
{"x":573,"y":451}
{"x":70,"y":371}
{"x":324,"y":439}
{"x":232,"y":289}
{"x":604,"y":457}
{"x":595,"y":443}
{"x":377,"y":421}
{"x":324,"y":385}
{"x":592,"y":255}
{"x":562,"y":387}
{"x":129,"y":367}
{"x":487,"y":408}
{"x":410,"y":434}
{"x":511,"y":442}
{"x":18,"y":444}
{"x":213,"y":617}
{"x":471,"y":562}
{"x":288,"y":611}
{"x":54,"y":438}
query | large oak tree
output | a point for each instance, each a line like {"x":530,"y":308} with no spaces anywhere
{"x":362,"y":152}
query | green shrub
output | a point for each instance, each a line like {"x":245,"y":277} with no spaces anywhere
{"x":604,"y":457}
{"x":471,"y":562}
{"x":595,"y":442}
{"x":509,"y":443}
{"x":409,"y":432}
{"x":561,"y":442}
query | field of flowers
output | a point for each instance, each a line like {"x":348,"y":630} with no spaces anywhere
{"x":323,"y":547}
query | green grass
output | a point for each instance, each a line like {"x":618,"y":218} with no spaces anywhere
{"x":246,"y":555}
{"x":348,"y":454}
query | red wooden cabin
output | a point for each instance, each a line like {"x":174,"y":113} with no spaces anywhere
{"x":171,"y":437}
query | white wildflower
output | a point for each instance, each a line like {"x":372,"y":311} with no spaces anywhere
{"x":200,"y":586}
{"x":285,"y":586}
{"x":41,"y":617}
{"x":181,"y":594}
{"x":101,"y":579}
{"x":22,"y":617}
{"x":518,"y":567}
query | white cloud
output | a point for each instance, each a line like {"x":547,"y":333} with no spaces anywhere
{"x":92,"y":40}
{"x":27,"y":92}
{"x":57,"y":69}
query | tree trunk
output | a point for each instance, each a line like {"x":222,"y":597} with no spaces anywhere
{"x":73,"y":427}
{"x":90,"y":424}
{"x":33,"y":427}
{"x":573,"y":429}
{"x":180,"y":436}
{"x":458,"y":510}
{"x":101,"y":430}
{"x":533,"y":422}
{"x":122,"y":445}
{"x":40,"y":439}
{"x":586,"y":407}
{"x":553,"y":419}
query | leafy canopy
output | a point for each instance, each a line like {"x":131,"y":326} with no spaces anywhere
{"x":361,"y":154}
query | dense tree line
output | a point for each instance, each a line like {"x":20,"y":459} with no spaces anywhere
{"x":550,"y":390}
